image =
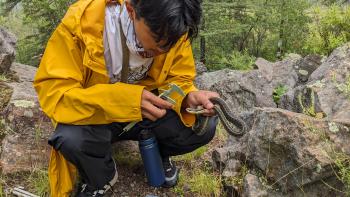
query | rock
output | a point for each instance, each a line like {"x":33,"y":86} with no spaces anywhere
{"x":265,"y":67}
{"x":126,"y":147}
{"x":246,"y":90}
{"x":253,"y":187}
{"x":29,"y":127}
{"x":338,"y":60}
{"x":200,"y":68}
{"x":25,"y":73}
{"x":327,"y":92}
{"x":284,"y":72}
{"x":22,"y":154}
{"x":219,"y":157}
{"x":291,"y":149}
{"x":242,"y":90}
{"x":232,"y":168}
{"x":7,"y":50}
{"x":306,"y":66}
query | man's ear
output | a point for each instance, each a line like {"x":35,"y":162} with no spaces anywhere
{"x":130,"y":9}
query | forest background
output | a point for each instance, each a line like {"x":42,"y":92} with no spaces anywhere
{"x":233,"y":33}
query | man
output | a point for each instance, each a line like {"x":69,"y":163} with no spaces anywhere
{"x":79,"y":87}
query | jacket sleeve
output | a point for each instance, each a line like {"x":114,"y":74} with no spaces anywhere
{"x":182,"y":72}
{"x":59,"y":85}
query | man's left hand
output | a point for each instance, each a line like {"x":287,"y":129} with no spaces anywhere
{"x":201,"y":98}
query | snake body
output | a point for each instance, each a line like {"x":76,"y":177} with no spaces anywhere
{"x":233,"y":124}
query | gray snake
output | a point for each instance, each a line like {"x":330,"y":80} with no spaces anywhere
{"x":233,"y":124}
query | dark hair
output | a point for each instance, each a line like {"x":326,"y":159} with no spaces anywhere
{"x":168,"y":20}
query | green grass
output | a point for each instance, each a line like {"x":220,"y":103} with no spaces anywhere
{"x":342,"y":162}
{"x":3,"y":77}
{"x":192,"y":156}
{"x":197,"y":177}
{"x":39,"y":181}
{"x":237,"y":180}
{"x":199,"y":182}
{"x":35,"y":182}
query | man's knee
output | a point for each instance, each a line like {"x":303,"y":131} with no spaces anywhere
{"x":67,"y":138}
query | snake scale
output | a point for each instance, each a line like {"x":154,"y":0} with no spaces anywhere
{"x":233,"y":124}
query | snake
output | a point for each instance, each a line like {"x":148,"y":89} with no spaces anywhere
{"x":234,"y":125}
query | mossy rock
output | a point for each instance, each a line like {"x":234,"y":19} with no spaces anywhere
{"x":5,"y":95}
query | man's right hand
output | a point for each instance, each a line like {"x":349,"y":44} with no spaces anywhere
{"x":152,"y":106}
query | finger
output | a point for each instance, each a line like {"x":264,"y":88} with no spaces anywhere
{"x":208,"y":104}
{"x":147,"y":115}
{"x":154,"y":110}
{"x":157,"y":101}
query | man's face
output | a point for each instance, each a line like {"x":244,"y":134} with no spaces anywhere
{"x":144,"y":34}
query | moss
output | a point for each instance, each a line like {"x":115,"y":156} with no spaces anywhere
{"x":125,"y":158}
{"x":307,"y":103}
{"x":23,"y":103}
{"x":344,"y":87}
{"x":5,"y":96}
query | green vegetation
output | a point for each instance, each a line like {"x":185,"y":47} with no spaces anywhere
{"x":328,"y":30}
{"x":32,"y":21}
{"x":278,"y":92}
{"x":238,"y":180}
{"x":36,"y":182}
{"x":39,"y":181}
{"x":191,"y":157}
{"x":197,"y":177}
{"x":232,"y":34}
{"x":198,"y":181}
{"x":127,"y":158}
{"x":307,"y":103}
{"x":3,"y":77}
{"x":342,"y":162}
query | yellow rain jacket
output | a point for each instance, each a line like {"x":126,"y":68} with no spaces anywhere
{"x":73,"y":85}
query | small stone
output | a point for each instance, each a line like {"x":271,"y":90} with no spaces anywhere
{"x":303,"y":72}
{"x":252,"y":187}
{"x":28,"y":113}
{"x":333,"y":127}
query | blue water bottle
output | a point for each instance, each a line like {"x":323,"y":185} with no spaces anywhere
{"x":151,"y":158}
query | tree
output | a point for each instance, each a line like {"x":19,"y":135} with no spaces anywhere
{"x":43,"y":16}
{"x":260,"y":28}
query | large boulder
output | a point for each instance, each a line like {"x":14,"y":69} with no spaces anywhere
{"x":291,"y":150}
{"x":7,"y":50}
{"x":327,"y":93}
{"x":25,"y":145}
{"x":242,"y":90}
{"x":294,"y":151}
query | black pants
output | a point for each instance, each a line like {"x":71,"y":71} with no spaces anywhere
{"x":88,"y":147}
